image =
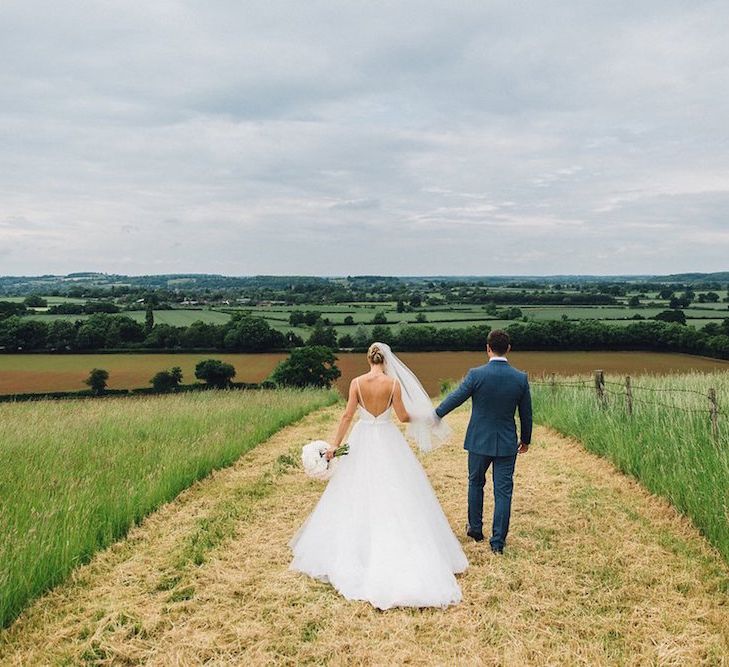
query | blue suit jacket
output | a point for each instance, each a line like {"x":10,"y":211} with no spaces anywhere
{"x":497,"y":390}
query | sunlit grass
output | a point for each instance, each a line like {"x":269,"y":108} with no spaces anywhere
{"x":76,"y":475}
{"x":667,"y":443}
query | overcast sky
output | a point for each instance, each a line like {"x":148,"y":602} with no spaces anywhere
{"x":330,"y":138}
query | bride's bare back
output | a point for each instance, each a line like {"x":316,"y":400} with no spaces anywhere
{"x":375,"y":391}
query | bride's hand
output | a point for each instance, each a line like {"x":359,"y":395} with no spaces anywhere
{"x":330,"y":453}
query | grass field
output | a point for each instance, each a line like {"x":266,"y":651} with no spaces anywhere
{"x":76,"y":475}
{"x":177,"y":318}
{"x":452,"y":316}
{"x":47,"y":372}
{"x":668,"y":447}
{"x":52,"y":300}
{"x":596,"y":572}
{"x":458,"y":316}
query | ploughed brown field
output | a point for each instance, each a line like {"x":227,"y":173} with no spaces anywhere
{"x":45,"y":372}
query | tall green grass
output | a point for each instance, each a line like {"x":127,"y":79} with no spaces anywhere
{"x":76,"y":475}
{"x":669,"y":449}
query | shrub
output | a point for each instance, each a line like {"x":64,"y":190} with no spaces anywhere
{"x":311,"y":366}
{"x":671,"y":316}
{"x":166,"y":381}
{"x":215,"y":372}
{"x":97,"y":380}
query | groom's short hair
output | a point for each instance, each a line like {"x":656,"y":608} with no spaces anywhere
{"x":498,"y":341}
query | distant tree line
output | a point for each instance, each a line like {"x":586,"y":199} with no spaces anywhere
{"x":83,"y":308}
{"x":248,"y":333}
{"x":242,"y":333}
{"x":542,"y":298}
{"x":712,"y":340}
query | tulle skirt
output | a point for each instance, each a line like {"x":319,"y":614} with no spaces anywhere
{"x":378,"y":532}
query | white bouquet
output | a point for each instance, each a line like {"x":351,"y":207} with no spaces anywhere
{"x":313,"y":457}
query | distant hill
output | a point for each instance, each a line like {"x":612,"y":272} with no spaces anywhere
{"x":89,"y":283}
{"x":718,"y":276}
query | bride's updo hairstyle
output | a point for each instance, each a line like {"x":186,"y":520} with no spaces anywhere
{"x":375,"y":356}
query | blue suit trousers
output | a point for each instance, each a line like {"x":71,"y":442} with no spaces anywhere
{"x":503,"y":476}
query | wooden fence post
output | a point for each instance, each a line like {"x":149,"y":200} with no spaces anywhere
{"x":600,"y":387}
{"x":714,"y":411}
{"x":628,"y":395}
{"x":553,"y":382}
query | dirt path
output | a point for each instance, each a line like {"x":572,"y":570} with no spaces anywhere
{"x":596,"y":572}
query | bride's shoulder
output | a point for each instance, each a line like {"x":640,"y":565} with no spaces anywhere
{"x":357,"y":382}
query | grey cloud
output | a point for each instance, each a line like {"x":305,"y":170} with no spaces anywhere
{"x":356,"y":205}
{"x":277,"y":137}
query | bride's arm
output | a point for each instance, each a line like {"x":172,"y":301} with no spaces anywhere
{"x":397,"y":404}
{"x":346,"y":419}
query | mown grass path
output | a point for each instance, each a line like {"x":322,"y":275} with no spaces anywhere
{"x":597,"y":572}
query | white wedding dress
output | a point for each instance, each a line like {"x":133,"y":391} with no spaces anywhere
{"x":378,"y":532}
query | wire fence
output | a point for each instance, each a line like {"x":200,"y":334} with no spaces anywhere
{"x":605,"y":389}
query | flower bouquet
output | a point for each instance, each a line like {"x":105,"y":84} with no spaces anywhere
{"x":313,"y":457}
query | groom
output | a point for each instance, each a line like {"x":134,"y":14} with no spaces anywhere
{"x":496,"y":390}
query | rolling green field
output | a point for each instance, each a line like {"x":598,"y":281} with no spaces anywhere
{"x":667,"y":443}
{"x":52,"y":300}
{"x":456,"y":316}
{"x":177,"y":318}
{"x":76,"y":475}
{"x":437,"y":315}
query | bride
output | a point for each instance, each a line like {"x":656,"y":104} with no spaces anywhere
{"x":378,"y":532}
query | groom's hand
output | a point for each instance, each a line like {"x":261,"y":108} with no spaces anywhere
{"x":523,"y":448}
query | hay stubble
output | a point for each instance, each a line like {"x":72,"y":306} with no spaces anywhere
{"x":597,"y":571}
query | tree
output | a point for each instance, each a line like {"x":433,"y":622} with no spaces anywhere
{"x":163,"y":336}
{"x":151,"y":299}
{"x":382,"y":334}
{"x":249,"y":333}
{"x":671,"y":316}
{"x":200,"y":334}
{"x":421,"y":317}
{"x":97,"y":381}
{"x":35,"y":301}
{"x":166,"y":381}
{"x":379,"y":318}
{"x":323,"y":335}
{"x":311,"y":317}
{"x":61,"y":335}
{"x":215,"y":373}
{"x":633,"y":302}
{"x":311,"y":366}
{"x":25,"y":334}
{"x":346,"y":341}
{"x":416,"y":301}
{"x":296,"y":318}
{"x":149,"y":320}
{"x":293,"y":340}
{"x":10,"y":308}
{"x":400,"y":306}
{"x":349,"y":320}
{"x":361,"y":338}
